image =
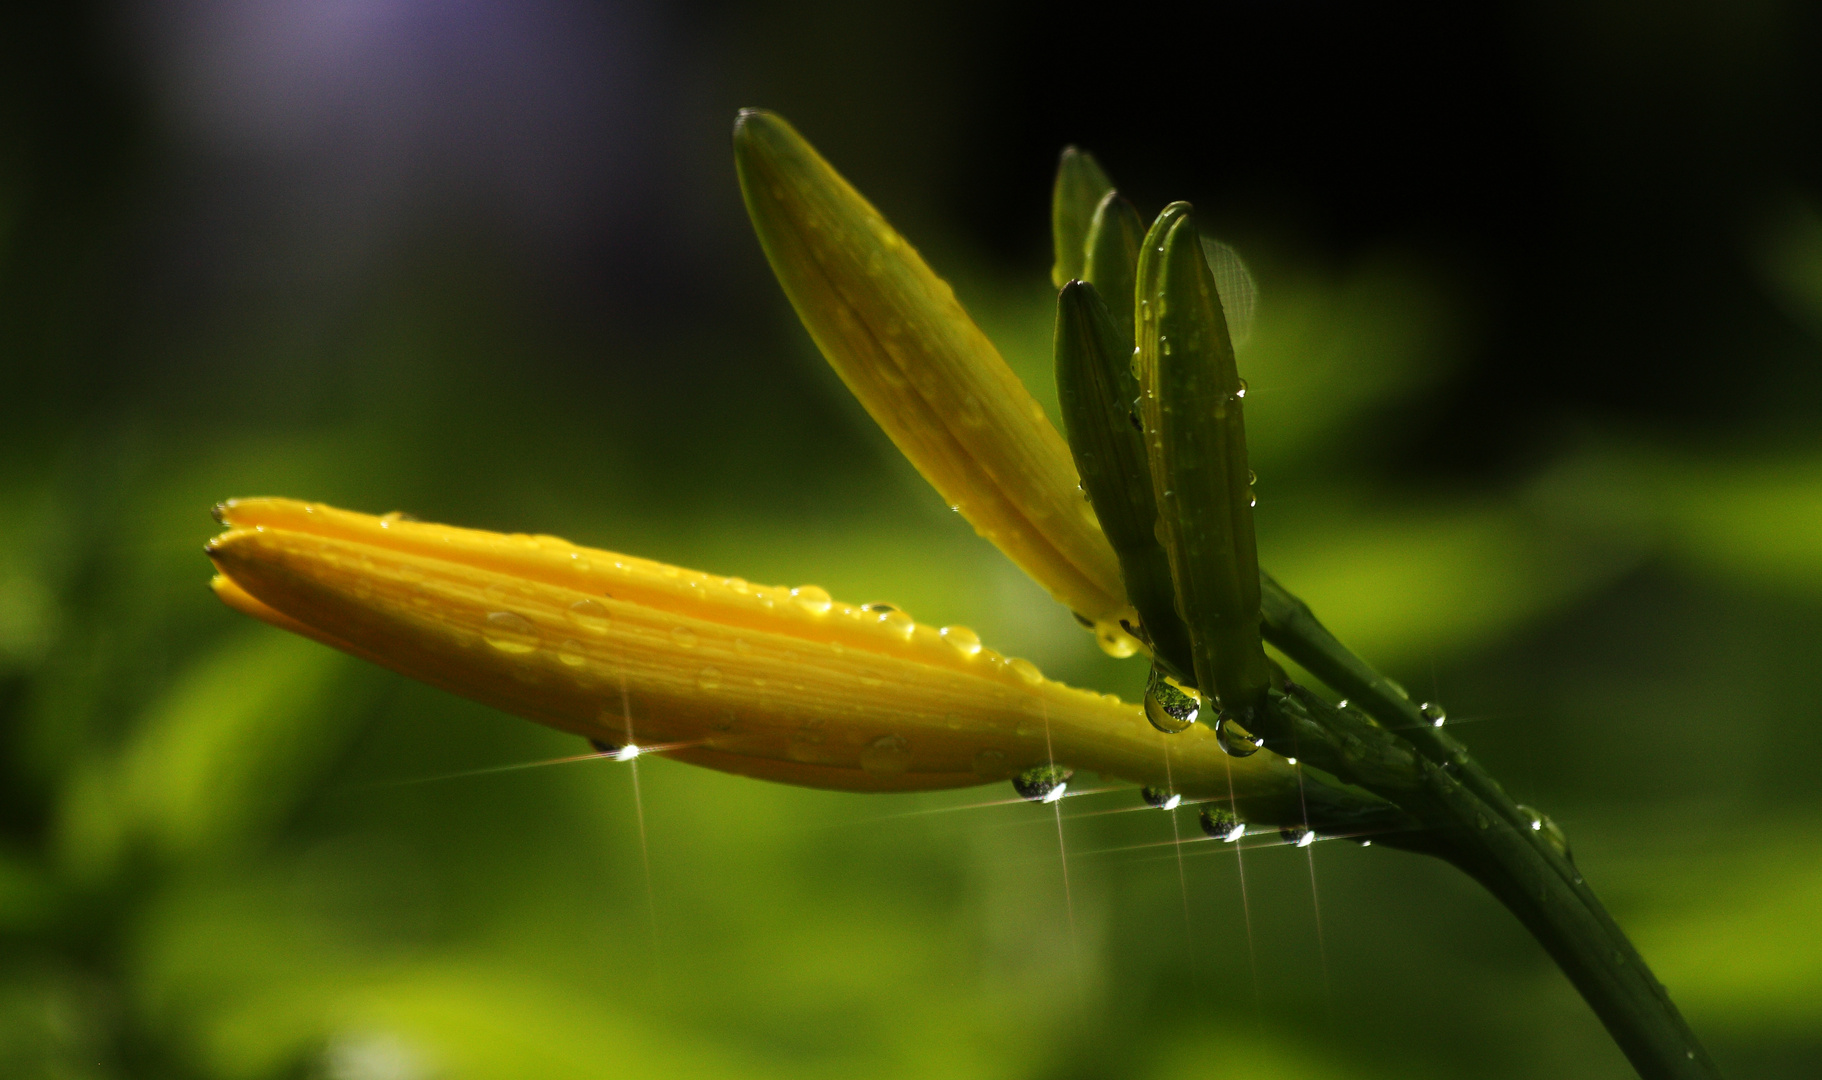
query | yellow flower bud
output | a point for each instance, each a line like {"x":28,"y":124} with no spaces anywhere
{"x":896,"y":335}
{"x":773,"y":682}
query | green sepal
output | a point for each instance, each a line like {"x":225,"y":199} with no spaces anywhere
{"x":1096,"y":392}
{"x":1080,"y":187}
{"x":1192,"y":407}
{"x":1112,"y":264}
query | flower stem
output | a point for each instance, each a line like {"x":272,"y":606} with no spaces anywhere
{"x":1477,"y":827}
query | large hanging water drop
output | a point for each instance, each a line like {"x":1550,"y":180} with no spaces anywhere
{"x":1232,"y":737}
{"x":1169,"y":705}
{"x":1161,"y":798}
{"x":1043,"y":783}
{"x":1433,"y":713}
{"x":1222,"y":824}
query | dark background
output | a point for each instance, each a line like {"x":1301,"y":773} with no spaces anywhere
{"x":1537,"y":419}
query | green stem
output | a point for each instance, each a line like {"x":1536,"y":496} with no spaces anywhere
{"x":1476,"y":826}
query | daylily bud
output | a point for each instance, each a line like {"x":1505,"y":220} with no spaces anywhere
{"x":1080,"y":187}
{"x":1097,"y":392}
{"x":784,"y":684}
{"x":1112,"y":265}
{"x":1192,"y":404}
{"x":895,"y":334}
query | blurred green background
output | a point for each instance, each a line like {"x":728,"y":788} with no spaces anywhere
{"x":1536,"y":411}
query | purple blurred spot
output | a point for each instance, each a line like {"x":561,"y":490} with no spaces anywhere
{"x":345,"y":123}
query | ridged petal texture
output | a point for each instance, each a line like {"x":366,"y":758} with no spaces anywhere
{"x":896,"y":335}
{"x":779,"y":683}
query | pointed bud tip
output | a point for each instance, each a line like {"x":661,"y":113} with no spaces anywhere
{"x":755,"y":124}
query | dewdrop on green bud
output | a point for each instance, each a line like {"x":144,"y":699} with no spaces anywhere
{"x":1169,"y":705}
{"x":1234,"y":738}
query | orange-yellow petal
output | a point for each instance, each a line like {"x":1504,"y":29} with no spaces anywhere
{"x":896,"y":335}
{"x":784,"y":684}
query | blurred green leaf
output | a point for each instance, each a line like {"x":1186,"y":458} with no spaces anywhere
{"x":218,"y":761}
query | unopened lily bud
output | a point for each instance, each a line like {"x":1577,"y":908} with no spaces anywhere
{"x":1192,"y":405}
{"x":779,"y":683}
{"x":898,"y":338}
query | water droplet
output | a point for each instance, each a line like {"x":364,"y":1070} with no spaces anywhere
{"x":971,"y":411}
{"x":1297,"y":835}
{"x":1342,"y":704}
{"x":1240,"y":391}
{"x":1251,"y":478}
{"x":684,"y":636}
{"x":806,"y":744}
{"x":1026,"y":670}
{"x":1552,"y":833}
{"x":1043,"y":783}
{"x":1432,"y":712}
{"x":1232,"y":737}
{"x":1169,"y":705}
{"x":590,"y":615}
{"x":1222,"y":824}
{"x":962,"y":639}
{"x":1161,"y":798}
{"x":887,"y":755}
{"x":708,"y":678}
{"x":1164,"y":345}
{"x":627,"y":752}
{"x":510,"y":633}
{"x":812,"y":599}
{"x":1114,"y":640}
{"x":571,"y":652}
{"x":898,"y":622}
{"x":990,"y":764}
{"x":1558,"y":839}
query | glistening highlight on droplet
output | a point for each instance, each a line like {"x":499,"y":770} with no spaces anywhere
{"x":1169,"y":705}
